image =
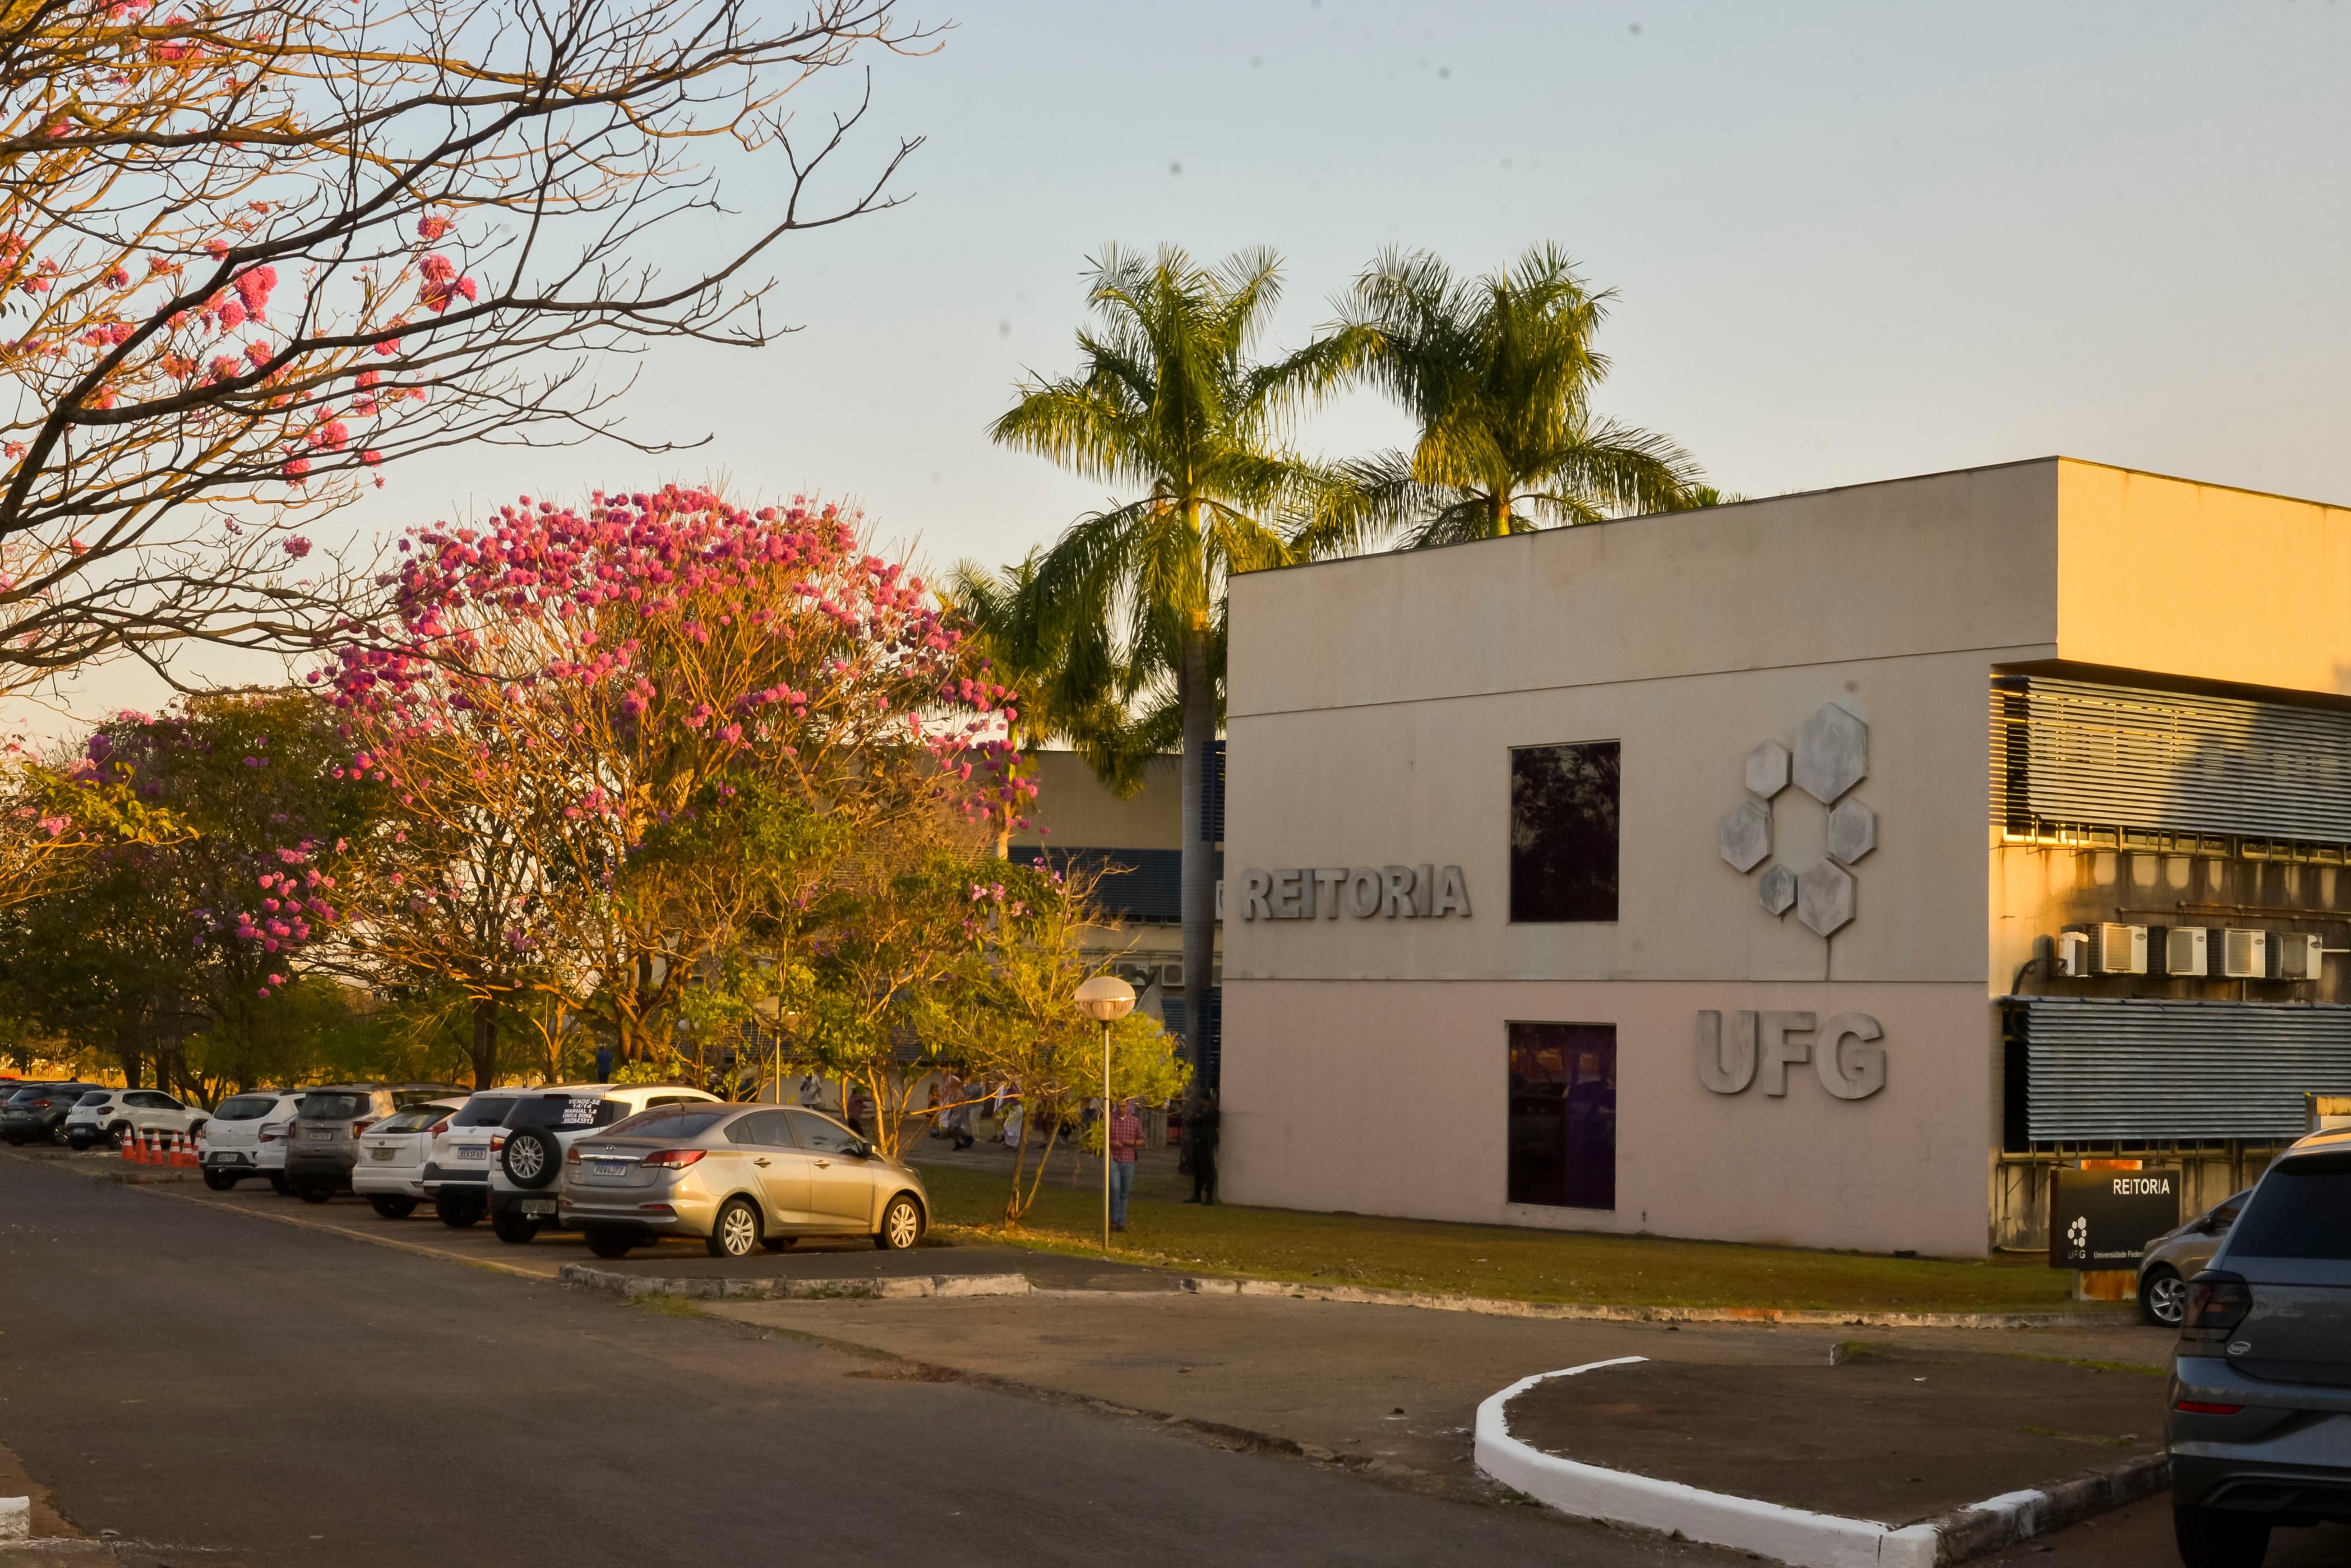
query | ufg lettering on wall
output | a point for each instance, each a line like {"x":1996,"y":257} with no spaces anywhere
{"x":1363,"y":892}
{"x":1764,"y":1045}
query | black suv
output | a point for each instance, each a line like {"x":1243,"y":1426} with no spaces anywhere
{"x":37,"y":1113}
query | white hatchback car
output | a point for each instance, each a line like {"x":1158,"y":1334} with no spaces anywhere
{"x":106,"y":1115}
{"x":247,"y":1138}
{"x":390,"y":1170}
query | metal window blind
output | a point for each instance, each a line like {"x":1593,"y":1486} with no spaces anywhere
{"x":2100,"y":1069}
{"x":2075,"y":752}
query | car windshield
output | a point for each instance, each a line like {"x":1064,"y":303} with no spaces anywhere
{"x":668,"y":1121}
{"x":241,"y":1107}
{"x":484,"y":1111}
{"x":96,"y":1097}
{"x":317,"y":1107}
{"x":2302,"y":1209}
{"x":26,"y":1097}
{"x":415,"y":1119}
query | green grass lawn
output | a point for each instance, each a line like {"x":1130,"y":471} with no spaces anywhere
{"x":1482,"y":1260}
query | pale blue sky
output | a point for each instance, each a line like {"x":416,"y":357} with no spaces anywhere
{"x":1851,"y":240}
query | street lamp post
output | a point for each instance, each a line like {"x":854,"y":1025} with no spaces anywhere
{"x":1105,"y":998}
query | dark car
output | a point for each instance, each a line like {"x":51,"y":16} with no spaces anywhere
{"x":324,"y":1141}
{"x":36,"y":1114}
{"x":2260,"y":1418}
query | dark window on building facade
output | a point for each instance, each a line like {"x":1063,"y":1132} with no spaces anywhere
{"x":1563,"y":832}
{"x":1563,"y":1114}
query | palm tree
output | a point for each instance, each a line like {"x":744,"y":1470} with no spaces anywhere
{"x":1130,"y":600}
{"x":1499,"y":371}
{"x":1069,"y":689}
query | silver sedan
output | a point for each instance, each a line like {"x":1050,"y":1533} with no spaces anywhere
{"x":738,"y":1176}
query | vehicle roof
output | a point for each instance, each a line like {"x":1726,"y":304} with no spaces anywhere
{"x":2332,"y":1138}
{"x":590,"y":1088}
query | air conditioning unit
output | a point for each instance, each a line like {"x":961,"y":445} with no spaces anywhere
{"x":1139,"y":976}
{"x":2072,"y":955}
{"x":2184,"y":952}
{"x":1172,"y":976}
{"x":2115,"y":949}
{"x":2244,"y":955}
{"x":2295,"y":958}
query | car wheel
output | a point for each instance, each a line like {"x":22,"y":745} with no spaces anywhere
{"x":280,"y":1185}
{"x":2216,"y":1537}
{"x":457,"y":1213}
{"x":2162,"y":1297}
{"x":777,"y":1243}
{"x":606,"y":1242}
{"x":218,"y":1180}
{"x":902,"y":1224}
{"x":120,"y":1134}
{"x":514,"y":1228}
{"x":735,"y":1232}
{"x":315,"y":1191}
{"x":391,"y":1205}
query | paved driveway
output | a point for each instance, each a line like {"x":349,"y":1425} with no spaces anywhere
{"x":182,"y":1373}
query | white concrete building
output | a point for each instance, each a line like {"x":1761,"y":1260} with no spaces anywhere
{"x":1687,"y":873}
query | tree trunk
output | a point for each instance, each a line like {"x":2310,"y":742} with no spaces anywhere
{"x":484,"y":1047}
{"x":1197,"y":694}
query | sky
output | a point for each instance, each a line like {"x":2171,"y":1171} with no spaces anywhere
{"x":1848,"y":242}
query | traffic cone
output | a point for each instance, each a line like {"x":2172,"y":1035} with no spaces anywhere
{"x":188,"y":1142}
{"x":129,"y":1144}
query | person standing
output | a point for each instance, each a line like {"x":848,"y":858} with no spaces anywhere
{"x":1200,"y":1143}
{"x":1126,"y":1136}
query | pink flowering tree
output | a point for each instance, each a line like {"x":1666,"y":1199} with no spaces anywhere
{"x":628,"y":745}
{"x":196,"y":934}
{"x":255,"y":252}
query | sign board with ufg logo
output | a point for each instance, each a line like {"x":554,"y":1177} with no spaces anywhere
{"x":2104,"y":1219}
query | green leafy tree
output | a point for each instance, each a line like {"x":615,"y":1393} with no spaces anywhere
{"x":1020,"y":1022}
{"x":1498,"y":371}
{"x":1170,"y":405}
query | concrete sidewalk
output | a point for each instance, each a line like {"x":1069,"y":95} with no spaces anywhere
{"x":1392,"y":1391}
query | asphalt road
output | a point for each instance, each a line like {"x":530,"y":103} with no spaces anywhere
{"x":237,"y":1392}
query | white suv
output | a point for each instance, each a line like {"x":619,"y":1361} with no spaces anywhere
{"x":105,"y":1115}
{"x":247,"y":1138}
{"x":502,"y":1156}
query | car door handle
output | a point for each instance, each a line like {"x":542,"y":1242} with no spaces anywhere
{"x":823,"y":1163}
{"x":760,"y":1161}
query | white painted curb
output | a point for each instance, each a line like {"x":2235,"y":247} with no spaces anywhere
{"x":1790,"y":1535}
{"x":15,"y":1519}
{"x":1785,"y":1535}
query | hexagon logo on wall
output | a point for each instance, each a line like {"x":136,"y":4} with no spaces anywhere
{"x":1831,"y":757}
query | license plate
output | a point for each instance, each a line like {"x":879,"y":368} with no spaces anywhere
{"x":608,"y":1167}
{"x":476,"y":1154}
{"x":223,"y":1159}
{"x":537,"y":1205}
{"x":318,"y":1135}
{"x":380,"y":1154}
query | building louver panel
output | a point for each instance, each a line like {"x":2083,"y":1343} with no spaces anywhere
{"x":2113,"y":1070}
{"x":2074,"y":752}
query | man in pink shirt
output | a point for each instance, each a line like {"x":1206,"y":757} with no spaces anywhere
{"x":1126,"y":1143}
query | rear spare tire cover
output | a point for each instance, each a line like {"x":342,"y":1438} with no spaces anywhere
{"x":533,"y":1157}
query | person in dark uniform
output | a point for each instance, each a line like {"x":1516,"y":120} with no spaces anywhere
{"x":1200,"y":1143}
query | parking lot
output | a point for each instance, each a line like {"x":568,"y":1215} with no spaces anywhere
{"x":1121,"y":1363}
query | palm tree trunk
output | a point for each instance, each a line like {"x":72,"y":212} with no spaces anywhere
{"x":1197,"y":693}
